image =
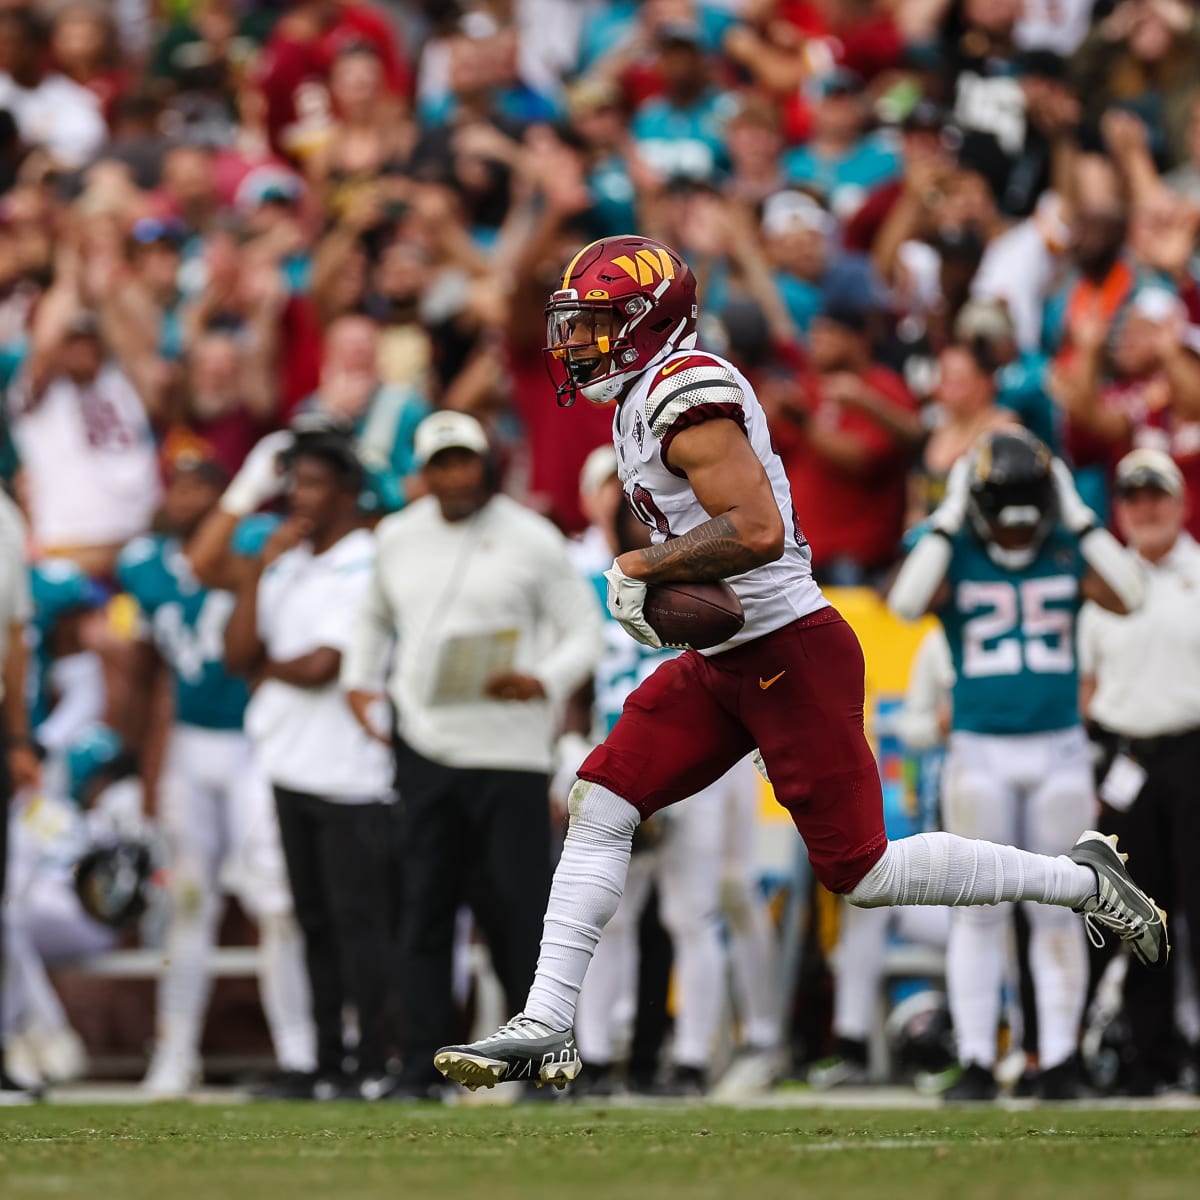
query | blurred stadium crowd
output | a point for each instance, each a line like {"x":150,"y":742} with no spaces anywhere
{"x":913,"y":222}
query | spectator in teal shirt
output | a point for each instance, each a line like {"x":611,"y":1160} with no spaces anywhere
{"x":680,"y":134}
{"x":839,"y":162}
{"x":797,"y":231}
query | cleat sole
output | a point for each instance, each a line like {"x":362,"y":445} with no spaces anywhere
{"x":560,"y":1073}
{"x":470,"y":1070}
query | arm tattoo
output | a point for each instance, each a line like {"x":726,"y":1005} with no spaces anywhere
{"x":713,"y":550}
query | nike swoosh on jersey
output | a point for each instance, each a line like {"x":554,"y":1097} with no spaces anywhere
{"x":672,"y":366}
{"x":766,"y":683}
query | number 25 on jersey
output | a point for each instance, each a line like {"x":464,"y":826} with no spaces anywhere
{"x":1010,"y":627}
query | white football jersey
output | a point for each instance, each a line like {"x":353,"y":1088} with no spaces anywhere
{"x":688,"y":387}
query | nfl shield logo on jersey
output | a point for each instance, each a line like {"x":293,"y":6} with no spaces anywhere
{"x":639,"y":431}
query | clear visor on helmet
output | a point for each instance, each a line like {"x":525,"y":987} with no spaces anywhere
{"x":579,"y":335}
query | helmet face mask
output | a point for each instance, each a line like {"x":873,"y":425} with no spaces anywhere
{"x":1012,"y":504}
{"x":624,"y":305}
{"x":580,"y":336}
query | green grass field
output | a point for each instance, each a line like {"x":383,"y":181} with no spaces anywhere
{"x":342,"y":1152}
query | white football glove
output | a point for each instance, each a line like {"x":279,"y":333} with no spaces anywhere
{"x":625,"y":599}
{"x":949,"y":516}
{"x":260,"y":478}
{"x":1072,"y":511}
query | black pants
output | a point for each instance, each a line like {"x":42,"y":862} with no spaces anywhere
{"x":337,"y":858}
{"x":1160,"y":833}
{"x":474,"y":837}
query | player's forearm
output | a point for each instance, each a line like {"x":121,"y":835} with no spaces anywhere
{"x":208,"y":548}
{"x":729,"y":544}
{"x":243,"y":647}
{"x":316,"y":669}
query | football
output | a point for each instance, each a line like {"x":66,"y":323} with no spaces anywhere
{"x":693,"y":615}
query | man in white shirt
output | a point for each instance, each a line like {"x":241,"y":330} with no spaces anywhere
{"x":51,"y":110}
{"x":85,"y":442}
{"x":494,"y":630}
{"x":333,"y":783}
{"x":1141,"y":692}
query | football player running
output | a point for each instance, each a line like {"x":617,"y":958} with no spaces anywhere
{"x":697,"y":467}
{"x":1024,"y":553}
{"x":699,"y":860}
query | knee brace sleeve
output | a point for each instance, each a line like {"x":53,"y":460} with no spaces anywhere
{"x":598,"y":815}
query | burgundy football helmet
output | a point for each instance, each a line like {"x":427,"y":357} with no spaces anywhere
{"x":625,"y":303}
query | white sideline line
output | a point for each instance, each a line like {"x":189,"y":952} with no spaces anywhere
{"x":893,"y":1144}
{"x":885,"y":1098}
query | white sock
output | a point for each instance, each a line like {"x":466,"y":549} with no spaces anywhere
{"x":942,"y":868}
{"x":1058,"y":961}
{"x":284,"y":991}
{"x":699,"y":975}
{"x":974,"y":974}
{"x":185,"y":984}
{"x":586,"y":890}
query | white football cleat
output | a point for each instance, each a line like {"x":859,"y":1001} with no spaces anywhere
{"x":60,"y":1054}
{"x":753,"y":1072}
{"x":172,"y":1076}
{"x":836,"y":1072}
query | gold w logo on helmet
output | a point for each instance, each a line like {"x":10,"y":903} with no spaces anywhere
{"x":647,"y":266}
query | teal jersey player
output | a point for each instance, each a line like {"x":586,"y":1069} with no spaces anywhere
{"x":1011,"y":631}
{"x":187,"y":625}
{"x":1008,"y":557}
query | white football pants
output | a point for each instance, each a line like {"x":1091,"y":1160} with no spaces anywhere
{"x":1034,"y":791}
{"x":753,"y":951}
{"x":218,"y":817}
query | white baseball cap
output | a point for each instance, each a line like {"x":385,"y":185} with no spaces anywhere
{"x":598,"y":468}
{"x":785,"y":211}
{"x":1158,"y":305}
{"x":448,"y":431}
{"x":1146,"y":467}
